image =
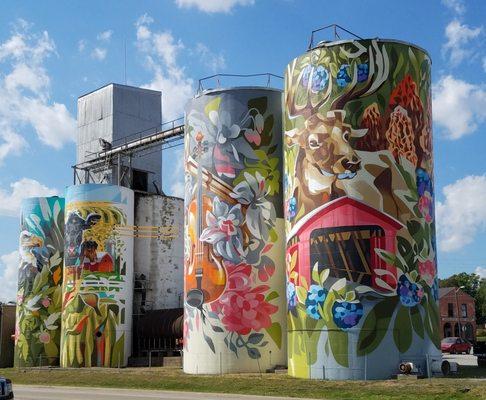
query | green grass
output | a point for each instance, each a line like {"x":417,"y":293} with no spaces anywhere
{"x":266,"y":384}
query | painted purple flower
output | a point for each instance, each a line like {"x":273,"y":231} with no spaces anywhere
{"x":346,"y":314}
{"x":342,"y":77}
{"x":223,"y":231}
{"x":410,"y":293}
{"x":291,"y":295}
{"x":316,"y":295}
{"x":362,"y":72}
{"x":424,"y":183}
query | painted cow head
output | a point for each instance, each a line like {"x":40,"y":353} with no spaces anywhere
{"x":73,"y":236}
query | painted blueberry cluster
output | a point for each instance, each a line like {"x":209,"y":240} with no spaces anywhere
{"x":410,"y":293}
{"x":346,"y":314}
{"x":316,"y":295}
{"x":318,"y":75}
{"x":291,"y":295}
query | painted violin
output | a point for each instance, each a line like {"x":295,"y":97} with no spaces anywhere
{"x":205,"y":275}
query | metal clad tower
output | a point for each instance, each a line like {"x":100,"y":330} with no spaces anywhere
{"x":41,"y":248}
{"x":115,"y":113}
{"x":359,"y":204}
{"x":98,"y":276}
{"x":234,"y":232}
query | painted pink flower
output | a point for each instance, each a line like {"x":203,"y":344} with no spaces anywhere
{"x":425,"y":207}
{"x":242,"y":308}
{"x":266,"y":272}
{"x":44,"y":337}
{"x":17,"y":333}
{"x":20,"y":299}
{"x":46,"y":301}
{"x":427,"y":271}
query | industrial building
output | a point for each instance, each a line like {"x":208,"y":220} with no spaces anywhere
{"x":7,"y":329}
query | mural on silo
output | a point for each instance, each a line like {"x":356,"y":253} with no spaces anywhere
{"x":98,"y":277}
{"x":359,"y":209}
{"x":37,"y":331}
{"x":235,"y":315}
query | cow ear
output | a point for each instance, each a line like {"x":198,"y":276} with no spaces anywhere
{"x":357,"y":133}
{"x":293,"y":135}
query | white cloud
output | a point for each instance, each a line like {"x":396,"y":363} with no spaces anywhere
{"x":10,"y":200}
{"x":81,"y":45}
{"x":458,"y":106}
{"x":213,"y":6}
{"x":98,"y":53}
{"x":462,"y":215}
{"x":25,"y":93}
{"x":458,"y":37}
{"x":481,"y":271}
{"x":160,"y":51}
{"x":457,"y":6}
{"x":215,"y":62}
{"x":105,"y":36}
{"x":9,"y":276}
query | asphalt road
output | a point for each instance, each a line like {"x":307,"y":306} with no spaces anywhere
{"x":23,"y":392}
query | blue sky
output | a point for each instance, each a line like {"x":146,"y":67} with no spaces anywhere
{"x":52,"y":52}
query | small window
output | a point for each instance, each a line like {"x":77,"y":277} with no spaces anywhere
{"x":463,"y":310}
{"x":450,"y":310}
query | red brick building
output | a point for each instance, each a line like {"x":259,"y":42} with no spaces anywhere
{"x":457,"y":313}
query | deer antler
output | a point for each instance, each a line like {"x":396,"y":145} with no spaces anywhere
{"x":291,"y":85}
{"x":379,"y":67}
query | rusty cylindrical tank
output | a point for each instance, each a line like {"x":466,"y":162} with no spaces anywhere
{"x":359,"y":205}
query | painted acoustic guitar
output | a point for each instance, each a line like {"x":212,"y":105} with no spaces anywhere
{"x":206,"y":276}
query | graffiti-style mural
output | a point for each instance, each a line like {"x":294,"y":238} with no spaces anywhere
{"x":98,"y":277}
{"x":234,"y":232}
{"x":359,"y":210}
{"x":37,"y":331}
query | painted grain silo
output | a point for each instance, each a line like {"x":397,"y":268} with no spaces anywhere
{"x":359,"y":210}
{"x":235,"y":314}
{"x":41,"y":248}
{"x":98,"y":276}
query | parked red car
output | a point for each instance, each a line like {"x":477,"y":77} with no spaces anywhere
{"x":455,"y":345}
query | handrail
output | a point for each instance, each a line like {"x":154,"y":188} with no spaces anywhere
{"x":336,"y":35}
{"x":267,"y":74}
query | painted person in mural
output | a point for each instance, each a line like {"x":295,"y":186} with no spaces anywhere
{"x":359,"y":197}
{"x":233,"y":223}
{"x":94,"y":293}
{"x":37,"y":331}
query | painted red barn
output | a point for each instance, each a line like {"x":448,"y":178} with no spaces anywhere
{"x":342,"y":235}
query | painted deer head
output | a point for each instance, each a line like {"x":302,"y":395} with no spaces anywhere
{"x":324,"y":139}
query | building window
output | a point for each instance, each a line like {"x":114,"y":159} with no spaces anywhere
{"x":463,"y":310}
{"x":450,"y":310}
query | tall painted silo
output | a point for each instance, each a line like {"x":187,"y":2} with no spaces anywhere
{"x":41,"y":248}
{"x":98,"y":276}
{"x":234,"y":270}
{"x":359,"y":208}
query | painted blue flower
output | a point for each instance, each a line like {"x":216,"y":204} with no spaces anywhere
{"x":362,"y":72}
{"x":342,"y":77}
{"x":291,"y":295}
{"x":320,"y":77}
{"x":424,"y":183}
{"x":292,"y":207}
{"x":316,"y":295}
{"x":306,"y":74}
{"x":410,"y":293}
{"x":346,"y":314}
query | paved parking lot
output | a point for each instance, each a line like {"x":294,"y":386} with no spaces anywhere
{"x":461,"y":359}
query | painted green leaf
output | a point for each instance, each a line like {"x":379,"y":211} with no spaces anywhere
{"x":275,"y":332}
{"x":301,"y":294}
{"x":417,"y":322}
{"x":271,"y":296}
{"x":402,"y":331}
{"x":255,"y":338}
{"x":213,"y":105}
{"x":118,"y":354}
{"x":375,"y":325}
{"x":339,"y":346}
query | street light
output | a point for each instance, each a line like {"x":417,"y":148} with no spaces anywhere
{"x":457,"y":306}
